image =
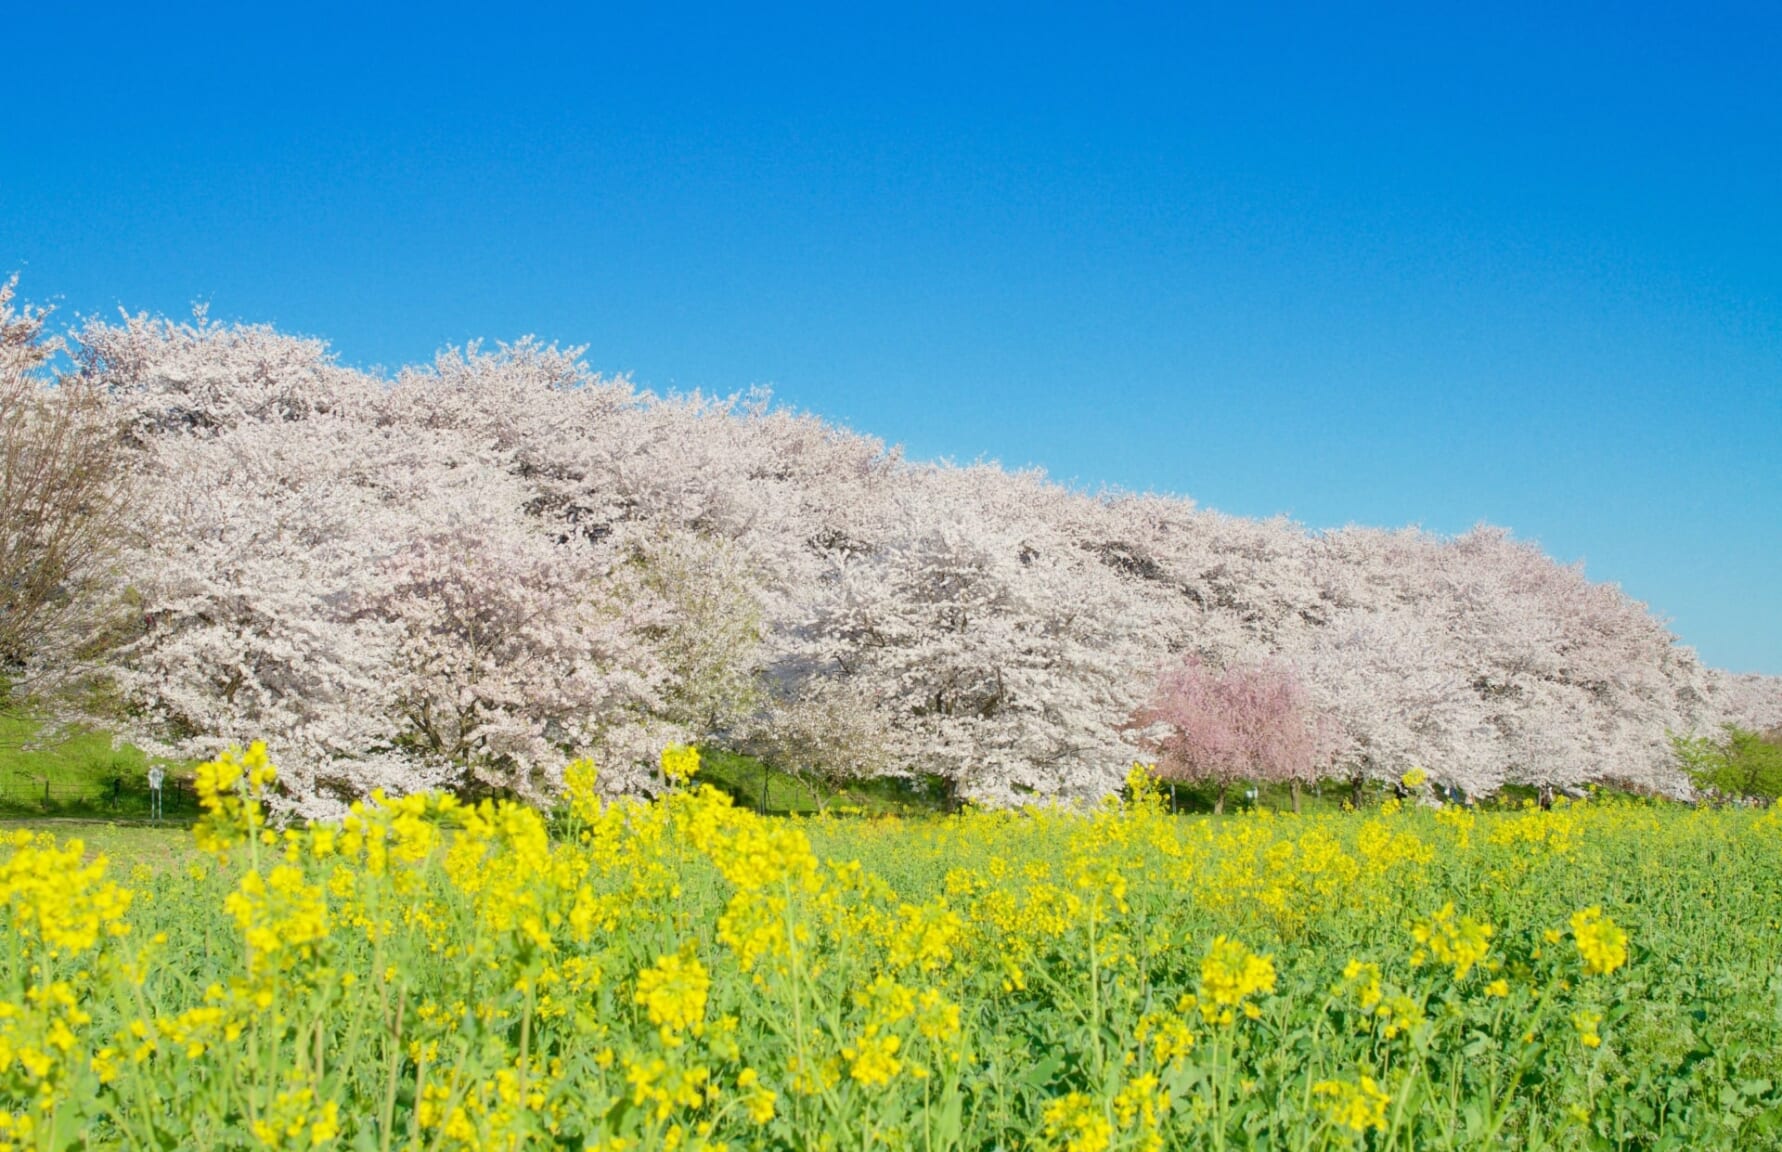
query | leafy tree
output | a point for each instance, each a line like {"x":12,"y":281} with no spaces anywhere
{"x":1738,"y":763}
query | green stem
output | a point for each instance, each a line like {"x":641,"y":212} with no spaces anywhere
{"x":394,"y":1063}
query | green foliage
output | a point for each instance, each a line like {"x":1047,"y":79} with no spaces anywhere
{"x":1739,"y":763}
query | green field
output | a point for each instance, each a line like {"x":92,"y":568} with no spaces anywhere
{"x":689,"y":974}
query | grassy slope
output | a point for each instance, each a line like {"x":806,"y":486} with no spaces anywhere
{"x":81,"y":775}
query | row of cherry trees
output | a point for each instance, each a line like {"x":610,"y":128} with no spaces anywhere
{"x":484,"y":566}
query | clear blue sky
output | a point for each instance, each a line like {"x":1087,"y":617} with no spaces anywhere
{"x":1428,"y":264}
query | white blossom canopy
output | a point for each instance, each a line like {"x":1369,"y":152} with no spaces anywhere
{"x":468,"y":574}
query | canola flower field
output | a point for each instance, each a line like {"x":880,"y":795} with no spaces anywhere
{"x":683,"y":974}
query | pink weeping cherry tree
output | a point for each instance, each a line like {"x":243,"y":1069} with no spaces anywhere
{"x":1246,"y":722}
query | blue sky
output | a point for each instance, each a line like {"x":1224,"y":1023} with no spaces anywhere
{"x":1430,"y":264}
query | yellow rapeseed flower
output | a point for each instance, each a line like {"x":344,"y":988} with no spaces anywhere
{"x":672,"y":992}
{"x":50,"y":895}
{"x":580,"y":780}
{"x":281,"y":915}
{"x":1601,"y":943}
{"x":1353,"y":1108}
{"x":757,"y":1101}
{"x":1229,"y":976}
{"x":1076,"y":1123}
{"x":873,"y":1061}
{"x":679,"y":763}
{"x":1462,"y":943}
{"x":229,"y":790}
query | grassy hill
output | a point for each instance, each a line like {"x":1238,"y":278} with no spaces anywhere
{"x":81,"y":775}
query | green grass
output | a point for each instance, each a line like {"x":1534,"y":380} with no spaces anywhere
{"x":78,"y":775}
{"x":158,"y":847}
{"x":754,"y":784}
{"x":83,"y":788}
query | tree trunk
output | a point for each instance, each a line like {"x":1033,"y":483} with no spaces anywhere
{"x":766,"y":772}
{"x":1219,"y":804}
{"x":1293,"y":790}
{"x":818,"y":798}
{"x":1355,"y":783}
{"x":1173,"y":807}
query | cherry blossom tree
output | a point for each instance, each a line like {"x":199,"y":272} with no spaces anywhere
{"x":1250,"y":722}
{"x":1750,"y":702}
{"x":62,"y":504}
{"x":824,"y":732}
{"x":483,"y":566}
{"x":511,"y":658}
{"x":1007,"y":656}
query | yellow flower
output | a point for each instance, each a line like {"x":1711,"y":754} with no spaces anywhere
{"x":1364,"y":980}
{"x":1167,"y":1037}
{"x":229,"y":789}
{"x":294,"y":1121}
{"x":665,"y":1088}
{"x":757,"y":1101}
{"x":51,"y":896}
{"x":1398,"y":1014}
{"x":679,"y":763}
{"x":1586,"y":1023}
{"x":1140,"y":1107}
{"x":1229,"y":975}
{"x":1353,"y":1108}
{"x":925,"y":937}
{"x":281,"y":915}
{"x":937,"y":1018}
{"x":1076,"y":1124}
{"x":1601,"y":943}
{"x":107,"y":1063}
{"x":579,"y":787}
{"x":672,"y":992}
{"x":1414,"y":778}
{"x":873,"y":1061}
{"x":1462,"y":944}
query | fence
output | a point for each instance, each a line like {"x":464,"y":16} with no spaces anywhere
{"x":122,"y":796}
